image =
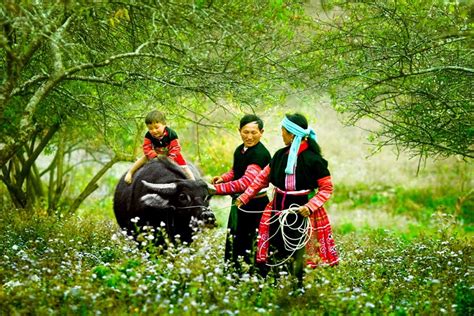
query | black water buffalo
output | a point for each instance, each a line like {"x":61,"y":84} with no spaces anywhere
{"x":162,"y":196}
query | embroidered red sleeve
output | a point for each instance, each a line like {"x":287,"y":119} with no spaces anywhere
{"x":228,"y":176}
{"x":324,"y":193}
{"x":174,"y":152}
{"x":260,"y":182}
{"x":148,"y":149}
{"x":239,"y":185}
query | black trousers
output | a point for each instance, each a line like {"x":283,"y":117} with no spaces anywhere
{"x":242,"y":231}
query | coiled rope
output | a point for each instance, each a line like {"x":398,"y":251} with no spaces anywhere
{"x":290,"y":243}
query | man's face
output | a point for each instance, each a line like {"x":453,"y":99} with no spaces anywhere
{"x":250,"y":134}
{"x":156,"y":130}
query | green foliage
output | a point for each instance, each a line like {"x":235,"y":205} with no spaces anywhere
{"x":408,"y":65}
{"x":79,"y":77}
{"x":420,"y":204}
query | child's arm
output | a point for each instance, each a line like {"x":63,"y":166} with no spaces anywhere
{"x":136,"y":165}
{"x":174,"y":152}
{"x":148,"y":149}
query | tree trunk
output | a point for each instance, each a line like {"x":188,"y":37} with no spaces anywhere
{"x":92,"y":185}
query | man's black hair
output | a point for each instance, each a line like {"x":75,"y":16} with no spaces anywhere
{"x":249,"y":118}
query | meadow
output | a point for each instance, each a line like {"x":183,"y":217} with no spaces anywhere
{"x":403,"y":232}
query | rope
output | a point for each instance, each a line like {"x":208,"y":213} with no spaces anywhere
{"x":193,"y":206}
{"x":290,"y":243}
{"x":253,"y":212}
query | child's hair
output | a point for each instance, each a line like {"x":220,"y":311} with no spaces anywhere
{"x":155,"y":117}
{"x":251,"y":118}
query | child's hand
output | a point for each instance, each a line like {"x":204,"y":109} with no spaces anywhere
{"x":128,"y":178}
{"x":188,"y":173}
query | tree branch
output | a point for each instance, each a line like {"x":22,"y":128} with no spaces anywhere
{"x":32,"y":158}
{"x":92,"y":185}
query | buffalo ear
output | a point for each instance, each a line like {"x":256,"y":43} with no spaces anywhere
{"x":163,"y":188}
{"x":154,"y":200}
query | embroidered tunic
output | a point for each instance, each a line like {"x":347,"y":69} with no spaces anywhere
{"x":242,"y":225}
{"x":311,"y":173}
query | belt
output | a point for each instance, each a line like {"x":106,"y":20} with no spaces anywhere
{"x":260,"y":194}
{"x":300,"y":192}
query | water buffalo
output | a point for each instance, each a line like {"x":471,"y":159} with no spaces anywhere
{"x":162,"y":196}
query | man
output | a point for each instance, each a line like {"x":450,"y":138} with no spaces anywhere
{"x":249,"y":159}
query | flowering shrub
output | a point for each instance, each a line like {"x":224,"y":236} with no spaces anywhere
{"x":81,"y":266}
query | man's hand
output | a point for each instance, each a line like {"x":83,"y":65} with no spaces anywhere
{"x":217,"y":180}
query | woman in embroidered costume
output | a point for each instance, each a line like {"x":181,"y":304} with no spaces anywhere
{"x":249,"y":159}
{"x":296,"y":171}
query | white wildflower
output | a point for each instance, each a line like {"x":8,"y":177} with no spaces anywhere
{"x":34,"y":278}
{"x":12,"y":284}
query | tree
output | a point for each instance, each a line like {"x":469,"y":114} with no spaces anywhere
{"x":69,"y":67}
{"x":409,"y":65}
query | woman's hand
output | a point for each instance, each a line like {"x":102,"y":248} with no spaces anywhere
{"x":216,"y":180}
{"x":304,"y":211}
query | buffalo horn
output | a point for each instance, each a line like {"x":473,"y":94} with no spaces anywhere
{"x":160,"y":187}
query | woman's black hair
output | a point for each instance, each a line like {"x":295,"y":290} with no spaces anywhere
{"x":301,"y":121}
{"x":250,"y":118}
